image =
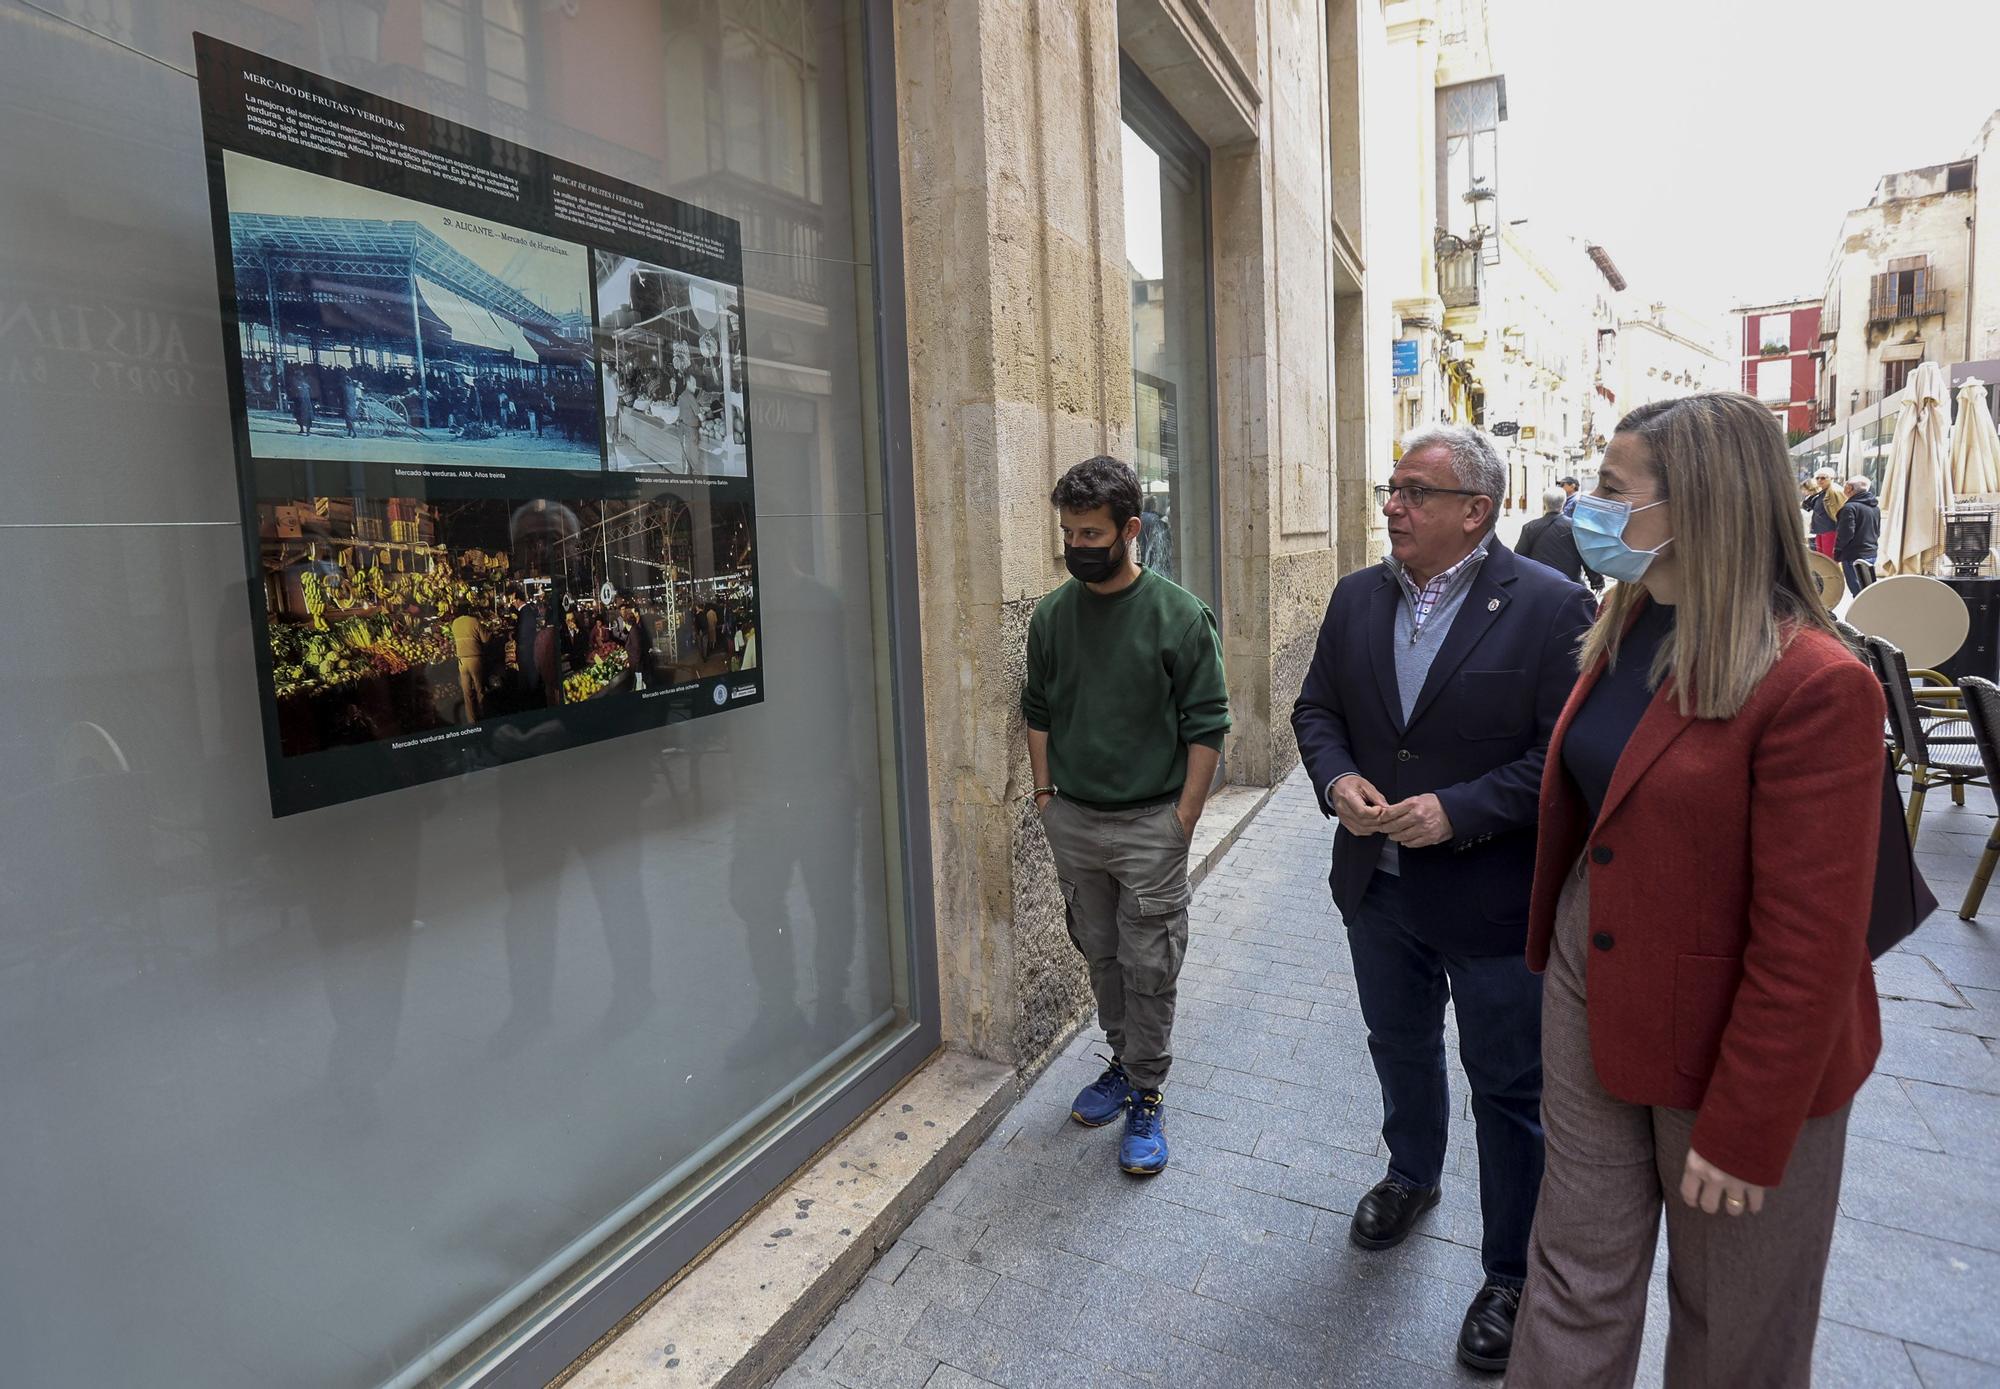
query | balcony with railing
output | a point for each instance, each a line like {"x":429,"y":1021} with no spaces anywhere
{"x":1906,"y":288}
{"x":1887,"y":304}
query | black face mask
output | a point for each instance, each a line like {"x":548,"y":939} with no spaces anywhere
{"x":1092,"y":564}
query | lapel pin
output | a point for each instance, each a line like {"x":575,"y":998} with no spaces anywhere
{"x":1493,"y":605}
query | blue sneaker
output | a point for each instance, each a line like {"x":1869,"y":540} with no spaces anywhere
{"x":1144,"y":1151}
{"x":1101,"y":1101}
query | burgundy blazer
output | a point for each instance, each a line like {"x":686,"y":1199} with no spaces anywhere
{"x":1728,"y":968}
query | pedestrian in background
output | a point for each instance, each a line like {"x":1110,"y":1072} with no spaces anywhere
{"x":351,"y":391}
{"x":1709,"y":1007}
{"x":468,"y":641}
{"x":1424,"y":720}
{"x":527,"y":624}
{"x":1126,"y":707}
{"x":1569,"y":487}
{"x":1547,"y":540}
{"x":1859,"y":529}
{"x":1822,"y":505}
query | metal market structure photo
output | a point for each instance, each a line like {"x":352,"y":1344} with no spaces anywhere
{"x":385,"y":323}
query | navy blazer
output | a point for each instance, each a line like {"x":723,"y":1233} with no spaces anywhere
{"x":1477,"y":737}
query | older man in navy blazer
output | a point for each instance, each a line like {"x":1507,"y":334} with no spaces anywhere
{"x":1424,"y":722}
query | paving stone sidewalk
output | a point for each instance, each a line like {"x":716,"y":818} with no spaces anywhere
{"x":1040,"y":1264}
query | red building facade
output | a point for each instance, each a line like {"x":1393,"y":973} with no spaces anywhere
{"x":1779,"y":344}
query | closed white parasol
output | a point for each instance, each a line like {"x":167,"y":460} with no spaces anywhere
{"x":1916,"y":488}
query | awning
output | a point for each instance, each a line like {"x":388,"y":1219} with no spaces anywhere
{"x":473,"y":326}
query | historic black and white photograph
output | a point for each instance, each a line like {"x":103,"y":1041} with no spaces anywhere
{"x":376,"y":327}
{"x":672,"y":348}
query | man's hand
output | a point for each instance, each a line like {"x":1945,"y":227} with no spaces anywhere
{"x":1186,"y":819}
{"x":1707,"y":1187}
{"x":1417,"y":823}
{"x":1042,"y":799}
{"x":1359,"y":805}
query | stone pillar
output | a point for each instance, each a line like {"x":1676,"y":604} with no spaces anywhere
{"x":1020,"y":365}
{"x":1275,"y":354}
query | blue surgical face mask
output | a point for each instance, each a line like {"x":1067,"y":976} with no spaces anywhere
{"x":1599,"y":530}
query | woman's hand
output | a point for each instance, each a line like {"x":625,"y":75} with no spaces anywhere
{"x":1705,"y":1185}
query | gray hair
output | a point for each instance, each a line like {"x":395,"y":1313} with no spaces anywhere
{"x":1553,"y":499}
{"x":1473,"y":458}
{"x":1824,"y":472}
{"x":1860,"y":484}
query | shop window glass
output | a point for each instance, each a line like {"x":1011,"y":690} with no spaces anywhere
{"x":347,"y":1097}
{"x":1165,"y":174}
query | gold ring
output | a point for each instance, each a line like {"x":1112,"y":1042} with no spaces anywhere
{"x":1733,"y":1202}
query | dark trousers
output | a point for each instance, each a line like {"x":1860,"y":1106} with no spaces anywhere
{"x":1403,"y":986}
{"x":1853,"y":574}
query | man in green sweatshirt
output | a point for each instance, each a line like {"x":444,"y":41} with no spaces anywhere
{"x":1126,"y":706}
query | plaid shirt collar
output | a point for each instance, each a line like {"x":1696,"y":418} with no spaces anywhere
{"x":1424,"y":598}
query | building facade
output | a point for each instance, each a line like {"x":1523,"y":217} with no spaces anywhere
{"x":1493,"y":318}
{"x":1664,"y":352}
{"x":1912,"y":278}
{"x":1435,"y":185}
{"x":1780,"y":352}
{"x":436,"y":1086}
{"x":1540,"y":353}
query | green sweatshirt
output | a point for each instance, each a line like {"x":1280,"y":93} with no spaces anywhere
{"x":1122,"y":685}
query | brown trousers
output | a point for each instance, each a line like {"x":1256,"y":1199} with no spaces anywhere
{"x":1743,"y":1291}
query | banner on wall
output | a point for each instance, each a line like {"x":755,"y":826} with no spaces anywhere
{"x":492,"y":438}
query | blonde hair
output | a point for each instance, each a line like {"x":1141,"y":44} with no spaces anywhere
{"x":1745,"y":587}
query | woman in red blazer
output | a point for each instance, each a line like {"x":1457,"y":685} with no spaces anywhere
{"x":1709,"y":1007}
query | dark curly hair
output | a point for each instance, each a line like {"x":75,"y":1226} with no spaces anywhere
{"x":1100,"y":481}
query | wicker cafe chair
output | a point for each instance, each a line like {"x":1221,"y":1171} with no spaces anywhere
{"x":1982,"y":711}
{"x":1935,"y":744}
{"x":1864,"y":647}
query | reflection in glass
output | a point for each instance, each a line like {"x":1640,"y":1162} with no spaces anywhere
{"x":323,"y":1100}
{"x":1166,"y":255}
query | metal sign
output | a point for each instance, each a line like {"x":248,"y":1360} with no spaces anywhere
{"x":1405,"y":357}
{"x":1504,"y":428}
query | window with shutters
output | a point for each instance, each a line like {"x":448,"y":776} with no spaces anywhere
{"x":1896,"y":374}
{"x":1907,"y":289}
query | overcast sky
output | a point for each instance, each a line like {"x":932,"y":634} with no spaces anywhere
{"x":1712,"y":146}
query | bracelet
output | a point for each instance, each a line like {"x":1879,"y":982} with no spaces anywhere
{"x":1040,"y":791}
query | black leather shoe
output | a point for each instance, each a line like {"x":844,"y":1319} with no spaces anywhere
{"x":1384,"y":1217}
{"x":1487,"y":1337}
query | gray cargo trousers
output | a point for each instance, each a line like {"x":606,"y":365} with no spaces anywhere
{"x":1125,"y":890}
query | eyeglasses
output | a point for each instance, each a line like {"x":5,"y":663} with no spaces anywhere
{"x":1414,"y":497}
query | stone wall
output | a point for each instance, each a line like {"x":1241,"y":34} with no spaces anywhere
{"x":1020,"y":364}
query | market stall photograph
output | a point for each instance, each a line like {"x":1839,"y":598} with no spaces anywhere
{"x":374,"y":326}
{"x":672,"y":348}
{"x":392,"y":618}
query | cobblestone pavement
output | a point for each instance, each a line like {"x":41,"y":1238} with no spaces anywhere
{"x":1040,"y":1264}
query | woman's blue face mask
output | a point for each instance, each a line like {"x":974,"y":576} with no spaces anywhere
{"x":1599,"y":529}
